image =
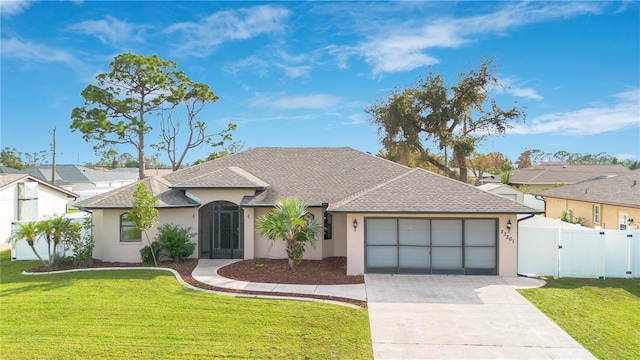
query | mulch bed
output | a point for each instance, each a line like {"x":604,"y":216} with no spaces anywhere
{"x":329,"y":271}
{"x":274,"y":271}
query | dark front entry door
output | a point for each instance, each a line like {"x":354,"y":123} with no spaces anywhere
{"x":220,"y":231}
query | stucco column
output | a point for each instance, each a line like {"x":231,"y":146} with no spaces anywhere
{"x":508,"y":246}
{"x":355,"y":245}
{"x":249,"y":233}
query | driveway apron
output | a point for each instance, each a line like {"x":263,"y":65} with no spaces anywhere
{"x":461,"y":317}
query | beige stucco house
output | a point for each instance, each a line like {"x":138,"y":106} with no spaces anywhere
{"x":26,"y":198}
{"x":609,"y":202}
{"x":382,"y":216}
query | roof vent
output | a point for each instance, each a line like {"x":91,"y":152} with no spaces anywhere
{"x":635,"y":182}
{"x":564,"y":166}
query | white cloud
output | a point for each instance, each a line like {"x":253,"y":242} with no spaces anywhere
{"x":110,"y":30}
{"x":404,"y":47}
{"x":313,"y":101}
{"x":294,"y":72}
{"x":9,"y":8}
{"x":13,"y":48}
{"x":624,"y":113}
{"x":200,"y":38}
{"x":514,"y":87}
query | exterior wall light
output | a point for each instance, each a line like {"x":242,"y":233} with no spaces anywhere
{"x":509,"y":225}
{"x":355,"y":224}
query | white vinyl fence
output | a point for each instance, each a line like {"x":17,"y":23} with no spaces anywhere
{"x":583,"y":253}
{"x":22,"y":251}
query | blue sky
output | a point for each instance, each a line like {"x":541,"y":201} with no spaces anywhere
{"x":302,"y":73}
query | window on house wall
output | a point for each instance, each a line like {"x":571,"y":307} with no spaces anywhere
{"x":596,"y":214}
{"x":128,"y":230}
{"x":328,"y":225}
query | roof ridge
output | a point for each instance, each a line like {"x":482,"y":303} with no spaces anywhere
{"x":361,"y":193}
{"x":247,"y":175}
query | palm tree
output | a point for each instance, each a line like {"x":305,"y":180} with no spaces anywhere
{"x":29,"y":232}
{"x":290,"y":221}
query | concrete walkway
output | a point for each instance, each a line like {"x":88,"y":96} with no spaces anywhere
{"x":207,"y":272}
{"x":461,"y":317}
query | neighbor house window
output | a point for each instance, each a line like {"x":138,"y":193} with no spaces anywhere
{"x":128,"y":230}
{"x":596,"y":214}
{"x":328,"y":225}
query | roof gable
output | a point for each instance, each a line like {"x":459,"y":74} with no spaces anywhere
{"x":7,"y":180}
{"x":231,"y":177}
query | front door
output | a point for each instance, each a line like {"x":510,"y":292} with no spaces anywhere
{"x":220,"y":231}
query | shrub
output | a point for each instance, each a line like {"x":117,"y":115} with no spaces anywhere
{"x":176,"y":241}
{"x":147,"y":256}
{"x":81,"y":242}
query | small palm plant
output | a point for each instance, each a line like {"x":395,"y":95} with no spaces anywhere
{"x":290,"y":221}
{"x":29,"y":232}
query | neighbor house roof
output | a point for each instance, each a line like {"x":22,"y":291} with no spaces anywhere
{"x":621,"y":190}
{"x":122,"y":198}
{"x":79,"y":174}
{"x":7,"y":180}
{"x":563,"y":173}
{"x":344,"y":179}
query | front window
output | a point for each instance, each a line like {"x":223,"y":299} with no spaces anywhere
{"x":328,"y":225}
{"x":128,"y":230}
{"x":596,"y":214}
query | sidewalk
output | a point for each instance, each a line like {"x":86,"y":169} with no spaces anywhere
{"x":207,"y":272}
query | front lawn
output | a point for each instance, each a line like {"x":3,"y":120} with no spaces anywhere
{"x":147,"y":314}
{"x":602,"y":315}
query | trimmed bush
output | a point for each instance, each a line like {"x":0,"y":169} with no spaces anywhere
{"x":175,"y":241}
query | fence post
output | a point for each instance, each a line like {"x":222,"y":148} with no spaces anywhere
{"x":629,"y":271}
{"x":602,"y":255}
{"x":558,"y":259}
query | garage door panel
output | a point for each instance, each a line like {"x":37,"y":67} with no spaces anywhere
{"x":446,"y":232}
{"x":382,"y":256}
{"x":447,"y":258}
{"x":382,"y":232}
{"x":414,"y":232}
{"x":480,"y":232}
{"x":414,"y":257}
{"x":480,"y":257}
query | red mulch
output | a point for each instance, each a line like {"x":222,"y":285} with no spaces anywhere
{"x":330,"y":271}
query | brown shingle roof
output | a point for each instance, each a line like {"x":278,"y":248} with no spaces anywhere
{"x":420,"y":191}
{"x":344,"y":178}
{"x":619,"y":190}
{"x":122,"y":198}
{"x":562,"y":173}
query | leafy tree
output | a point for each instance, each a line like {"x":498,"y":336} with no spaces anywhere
{"x":143,"y":213}
{"x":15,"y":159}
{"x":230,"y":149}
{"x":432,"y":114}
{"x":291,"y":222}
{"x":122,"y":107}
{"x":524,"y":160}
{"x":28,"y":232}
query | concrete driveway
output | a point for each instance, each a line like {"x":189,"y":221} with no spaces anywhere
{"x":461,"y":317}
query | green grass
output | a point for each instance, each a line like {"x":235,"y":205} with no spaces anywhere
{"x":147,"y":314}
{"x":602,"y":315}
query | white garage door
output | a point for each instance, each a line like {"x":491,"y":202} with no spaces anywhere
{"x":431,"y":246}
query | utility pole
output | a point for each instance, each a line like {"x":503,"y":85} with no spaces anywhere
{"x":53,"y":163}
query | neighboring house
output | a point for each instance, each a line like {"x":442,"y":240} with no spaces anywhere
{"x":551,"y":174}
{"x":610,"y":203}
{"x":383,"y":216}
{"x":512,"y":193}
{"x":81,"y":178}
{"x":84,"y":181}
{"x":24,"y":197}
{"x":504,"y":190}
